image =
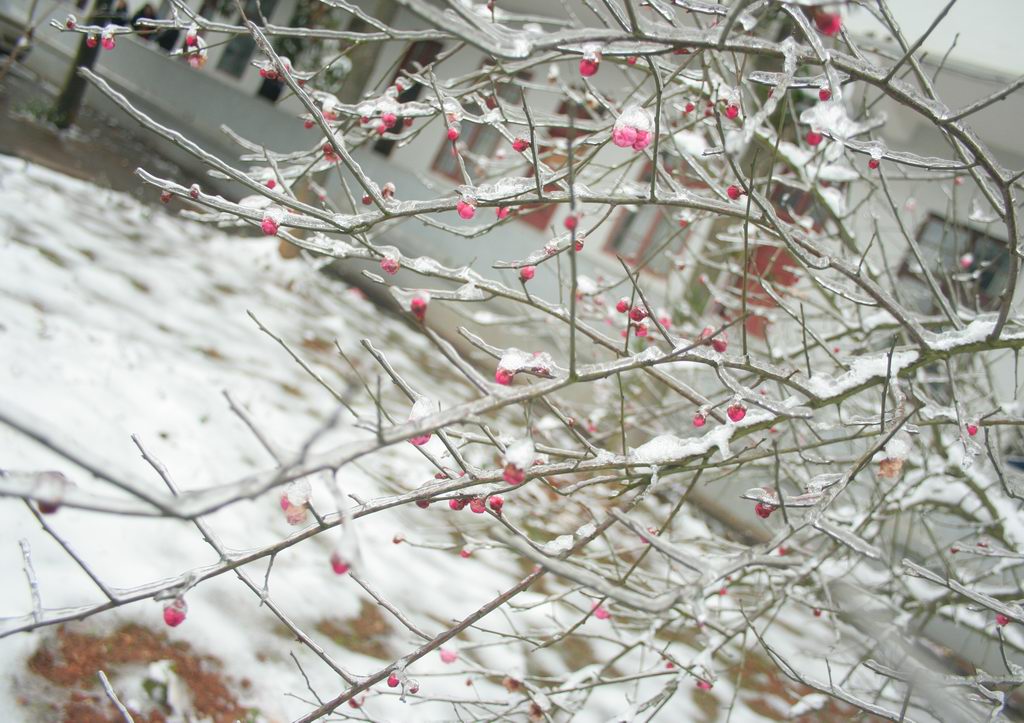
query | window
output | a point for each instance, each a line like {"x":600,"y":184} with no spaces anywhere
{"x":240,"y":48}
{"x":476,"y":138}
{"x":970,"y":267}
{"x":647,"y":231}
{"x":793,"y":203}
{"x":420,"y":54}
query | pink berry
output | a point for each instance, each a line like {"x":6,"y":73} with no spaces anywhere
{"x":571,"y":221}
{"x":504,"y":376}
{"x":814,"y":139}
{"x":638,"y":313}
{"x":643,"y":139}
{"x":271,"y":184}
{"x":783,"y":550}
{"x":453,"y":134}
{"x":513,"y":475}
{"x":734,"y":192}
{"x":407,"y":122}
{"x":70,"y":22}
{"x":966,"y":261}
{"x":631,"y":60}
{"x":269,"y":226}
{"x":477,"y":505}
{"x":393,"y":681}
{"x":824,"y":94}
{"x":166,"y":196}
{"x":622,"y":306}
{"x":600,"y":612}
{"x":704,"y":685}
{"x":389,"y":265}
{"x":423,"y":504}
{"x":689,"y":108}
{"x":419,"y":440}
{"x":764,"y":511}
{"x":736,"y":412}
{"x":108,"y":42}
{"x":972,"y":429}
{"x":457,"y":503}
{"x":389,"y":120}
{"x":496,"y":503}
{"x":448,"y":656}
{"x":367,"y":199}
{"x":526,"y":273}
{"x":175,"y":612}
{"x":418,"y":307}
{"x":503,"y":212}
{"x":588,"y":67}
{"x":1002,"y":620}
{"x":465,"y":209}
{"x":731,"y":111}
{"x":90,"y":41}
{"x":578,"y":246}
{"x":308,"y":123}
{"x":339,"y":566}
{"x":381,"y":128}
{"x":641,"y":329}
{"x":873,"y":163}
{"x":699,"y":419}
{"x":624,"y":137}
{"x":464,"y":553}
{"x":520,"y":144}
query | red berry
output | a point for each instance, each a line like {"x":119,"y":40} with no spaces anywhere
{"x":736,"y":412}
{"x":464,"y":553}
{"x":734,"y":192}
{"x":70,"y":22}
{"x":689,"y":107}
{"x":496,"y":503}
{"x":824,"y":93}
{"x":465,"y":210}
{"x":588,"y":67}
{"x":704,"y":685}
{"x":453,"y":133}
{"x":407,"y":122}
{"x":817,"y":612}
{"x":783,"y":550}
{"x":873,"y":163}
{"x":972,"y":429}
{"x":631,"y":60}
{"x":699,"y":419}
{"x":389,"y":120}
{"x":953,"y":550}
{"x":457,"y":503}
{"x":526,"y":273}
{"x":513,"y":475}
{"x":504,"y":376}
{"x":814,"y":139}
{"x":339,"y":566}
{"x":731,"y":111}
{"x":828,"y":23}
{"x":393,"y":681}
{"x":764,"y":511}
{"x":1002,"y":620}
{"x":578,"y":246}
{"x":641,"y":329}
{"x":389,"y":265}
{"x":622,"y":306}
{"x":108,"y":42}
{"x":48,"y":507}
{"x":269,"y":226}
{"x":308,"y":123}
{"x":571,"y":221}
{"x":193,"y":191}
{"x":477,"y":505}
{"x":503,"y":212}
{"x":520,"y":144}
{"x":271,"y":184}
{"x":90,"y":41}
{"x":423,"y":504}
{"x":418,"y":307}
{"x":166,"y":196}
{"x":175,"y":612}
{"x":638,"y":313}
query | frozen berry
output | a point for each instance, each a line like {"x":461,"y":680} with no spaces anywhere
{"x":418,"y":307}
{"x":571,"y":221}
{"x":166,"y":196}
{"x":763,"y":510}
{"x":873,"y":163}
{"x":699,"y":419}
{"x":638,"y":313}
{"x":503,"y":212}
{"x":734,"y":192}
{"x":520,"y":144}
{"x":339,"y":566}
{"x":526,"y":273}
{"x":393,"y":681}
{"x":622,"y":306}
{"x":972,"y":429}
{"x":496,"y":503}
{"x":704,"y":685}
{"x":731,"y":111}
{"x":513,"y":475}
{"x":453,"y":133}
{"x":824,"y":94}
{"x":477,"y":505}
{"x":389,"y":265}
{"x":814,"y":139}
{"x":269,"y":226}
{"x":588,"y":67}
{"x":448,"y":656}
{"x":736,"y":412}
{"x":175,"y":612}
{"x":1002,"y":620}
{"x":465,"y":209}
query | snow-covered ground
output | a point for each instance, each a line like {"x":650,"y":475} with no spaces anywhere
{"x":117,"y":318}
